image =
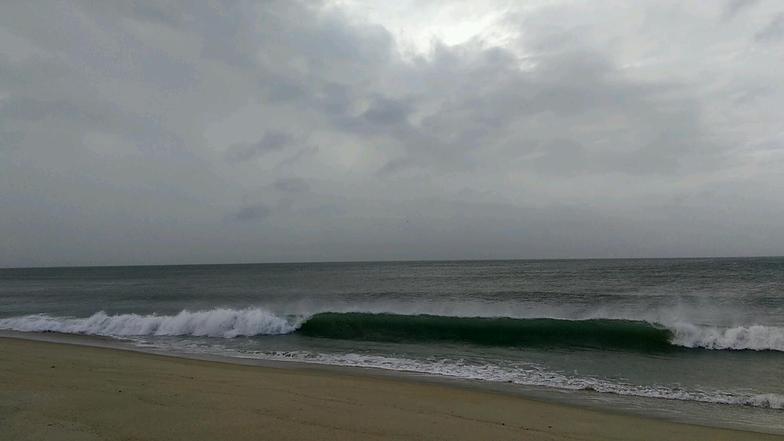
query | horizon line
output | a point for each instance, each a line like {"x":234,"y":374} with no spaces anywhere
{"x":316,"y":262}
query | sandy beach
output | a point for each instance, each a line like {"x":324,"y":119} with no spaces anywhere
{"x":52,"y":391}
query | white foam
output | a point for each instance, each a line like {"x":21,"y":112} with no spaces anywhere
{"x":220,"y":322}
{"x":756,"y":337}
{"x":525,"y":374}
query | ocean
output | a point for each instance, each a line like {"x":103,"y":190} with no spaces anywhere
{"x":693,"y":340}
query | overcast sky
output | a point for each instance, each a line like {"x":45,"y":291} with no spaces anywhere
{"x":189,"y":132}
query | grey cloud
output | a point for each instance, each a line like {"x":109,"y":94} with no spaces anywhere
{"x":10,"y":138}
{"x":386,"y":111}
{"x":292,"y":185}
{"x":566,"y":94}
{"x":119,"y":124}
{"x":733,"y":7}
{"x":774,"y":30}
{"x":562,"y":156}
{"x":396,"y":165}
{"x":145,"y":131}
{"x":252,"y":213}
{"x":272,"y":141}
{"x":298,"y":156}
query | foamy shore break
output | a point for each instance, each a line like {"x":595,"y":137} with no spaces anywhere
{"x":129,"y":395}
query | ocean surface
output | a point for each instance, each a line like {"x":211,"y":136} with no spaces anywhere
{"x":696,"y":340}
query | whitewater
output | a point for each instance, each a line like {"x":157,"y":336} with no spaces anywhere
{"x":700,"y":340}
{"x":248,"y":322}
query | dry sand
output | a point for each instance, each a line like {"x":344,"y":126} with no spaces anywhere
{"x":51,"y":391}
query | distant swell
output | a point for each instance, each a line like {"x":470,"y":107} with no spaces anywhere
{"x":491,"y":331}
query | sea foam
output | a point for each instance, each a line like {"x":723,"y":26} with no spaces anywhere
{"x":528,"y":374}
{"x":220,"y":322}
{"x":756,"y":337}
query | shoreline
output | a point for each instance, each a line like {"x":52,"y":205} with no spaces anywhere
{"x":658,"y":409}
{"x":43,"y":386}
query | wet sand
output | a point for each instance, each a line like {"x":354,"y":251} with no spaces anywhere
{"x":53,"y":391}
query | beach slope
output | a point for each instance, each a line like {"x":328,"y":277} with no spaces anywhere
{"x":54,"y":391}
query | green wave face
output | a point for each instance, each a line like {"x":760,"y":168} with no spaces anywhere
{"x":540,"y":333}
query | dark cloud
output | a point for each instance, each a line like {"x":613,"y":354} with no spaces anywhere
{"x":559,"y":130}
{"x":271,"y":142}
{"x":252,"y":213}
{"x":386,"y":111}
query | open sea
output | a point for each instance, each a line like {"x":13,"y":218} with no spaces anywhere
{"x":693,"y":340}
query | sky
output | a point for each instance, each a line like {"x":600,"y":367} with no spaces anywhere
{"x":156,"y":132}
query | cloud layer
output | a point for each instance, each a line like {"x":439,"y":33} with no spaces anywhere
{"x":149,"y":132}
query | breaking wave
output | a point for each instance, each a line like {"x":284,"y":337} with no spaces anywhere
{"x":756,"y":338}
{"x":221,"y":322}
{"x":498,"y":331}
{"x":492,"y":331}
